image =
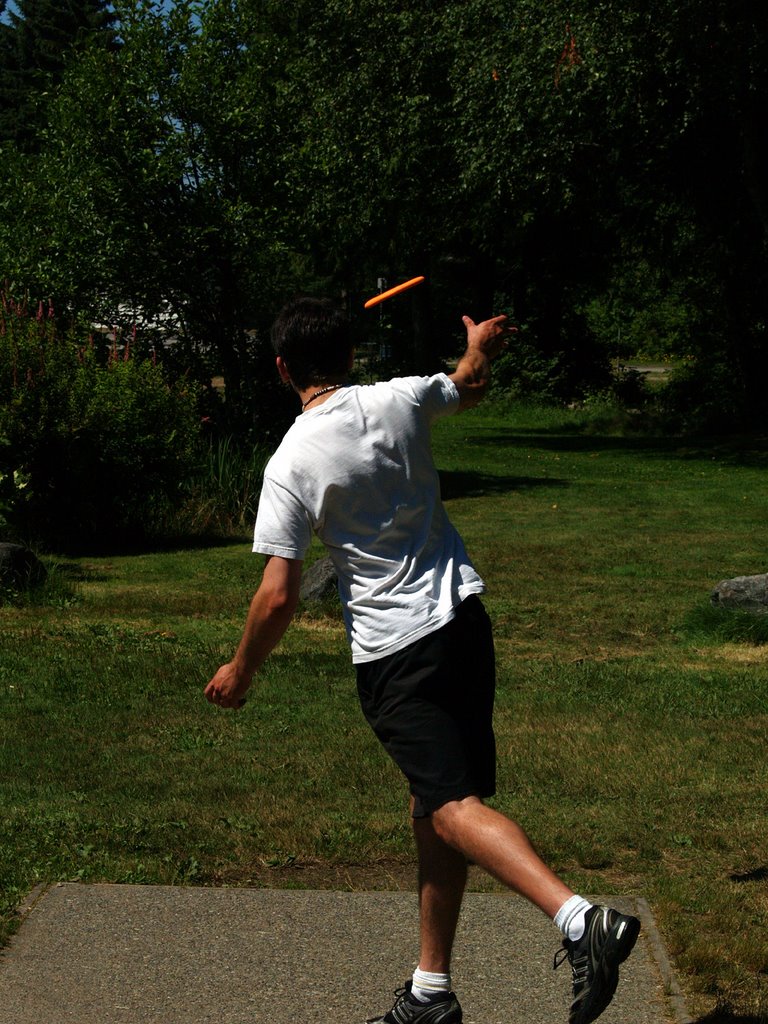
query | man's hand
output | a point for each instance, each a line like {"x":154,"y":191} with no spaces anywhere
{"x":485,"y":341}
{"x":489,"y":336}
{"x":228,"y":687}
{"x":270,"y":613}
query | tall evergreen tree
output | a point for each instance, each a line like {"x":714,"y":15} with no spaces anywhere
{"x":36,"y":42}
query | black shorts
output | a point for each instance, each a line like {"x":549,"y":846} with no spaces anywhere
{"x":431,"y":706}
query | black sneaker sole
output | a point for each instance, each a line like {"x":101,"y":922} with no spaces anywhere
{"x":619,"y":943}
{"x":445,"y":1011}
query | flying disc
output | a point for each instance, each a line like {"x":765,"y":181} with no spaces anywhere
{"x":393,"y":291}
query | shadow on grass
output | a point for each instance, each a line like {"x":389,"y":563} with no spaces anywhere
{"x":575,"y":442}
{"x":709,"y":624}
{"x":471,"y":484}
{"x":145,"y":546}
{"x":737,"y":451}
{"x":756,"y":875}
{"x":76,"y":572}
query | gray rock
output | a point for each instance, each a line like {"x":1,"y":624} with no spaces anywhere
{"x":319,"y":582}
{"x":743,"y":594}
{"x":19,"y":567}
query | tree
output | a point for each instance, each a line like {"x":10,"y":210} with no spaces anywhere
{"x":160,"y":187}
{"x":687,"y":121}
{"x":36,"y":42}
{"x":442,"y":149}
{"x":536,"y":155}
{"x":376,"y":165}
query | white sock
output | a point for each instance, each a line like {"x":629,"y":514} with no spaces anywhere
{"x":427,"y":984}
{"x":570,"y":917}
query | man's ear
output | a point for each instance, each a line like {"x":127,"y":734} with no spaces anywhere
{"x":282,"y":369}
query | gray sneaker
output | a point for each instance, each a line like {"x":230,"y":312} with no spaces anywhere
{"x":442,"y":1008}
{"x":608,"y":939}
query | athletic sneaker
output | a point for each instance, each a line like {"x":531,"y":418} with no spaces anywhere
{"x":442,"y":1008}
{"x":607,"y":942}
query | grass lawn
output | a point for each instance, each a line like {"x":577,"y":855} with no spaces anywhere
{"x":631,"y":718}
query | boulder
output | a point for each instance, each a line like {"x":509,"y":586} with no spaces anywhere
{"x":319,"y":582}
{"x":743,"y":594}
{"x":19,"y":567}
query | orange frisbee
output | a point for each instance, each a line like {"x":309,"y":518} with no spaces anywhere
{"x":393,"y":291}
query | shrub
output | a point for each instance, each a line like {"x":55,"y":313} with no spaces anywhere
{"x":97,"y":449}
{"x":224,"y":492}
{"x":523,"y":372}
{"x":704,"y":396}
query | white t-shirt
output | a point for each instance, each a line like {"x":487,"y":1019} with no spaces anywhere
{"x":358,"y":472}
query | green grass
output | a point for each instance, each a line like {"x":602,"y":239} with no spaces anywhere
{"x":631,"y":719}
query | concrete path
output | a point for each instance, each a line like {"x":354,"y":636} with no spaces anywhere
{"x":120,"y":954}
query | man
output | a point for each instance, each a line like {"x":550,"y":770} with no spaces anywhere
{"x":356,"y":469}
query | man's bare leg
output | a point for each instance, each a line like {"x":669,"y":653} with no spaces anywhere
{"x":442,"y":879}
{"x":499,"y":846}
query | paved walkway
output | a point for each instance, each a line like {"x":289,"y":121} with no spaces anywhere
{"x":120,"y":954}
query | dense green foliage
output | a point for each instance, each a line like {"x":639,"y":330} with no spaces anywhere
{"x":37,"y":40}
{"x":597,"y":170}
{"x":95,"y":448}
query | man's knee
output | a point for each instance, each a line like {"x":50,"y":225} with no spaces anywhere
{"x":450,"y":817}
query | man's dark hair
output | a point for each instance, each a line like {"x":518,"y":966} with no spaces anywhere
{"x":314,"y":339}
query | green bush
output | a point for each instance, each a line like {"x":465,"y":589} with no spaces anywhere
{"x":98,"y":448}
{"x":643,"y":320}
{"x":224,"y":492}
{"x":705,"y":396}
{"x":524,"y":372}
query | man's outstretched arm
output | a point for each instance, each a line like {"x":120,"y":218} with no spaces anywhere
{"x":473,"y":373}
{"x":270,"y":614}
